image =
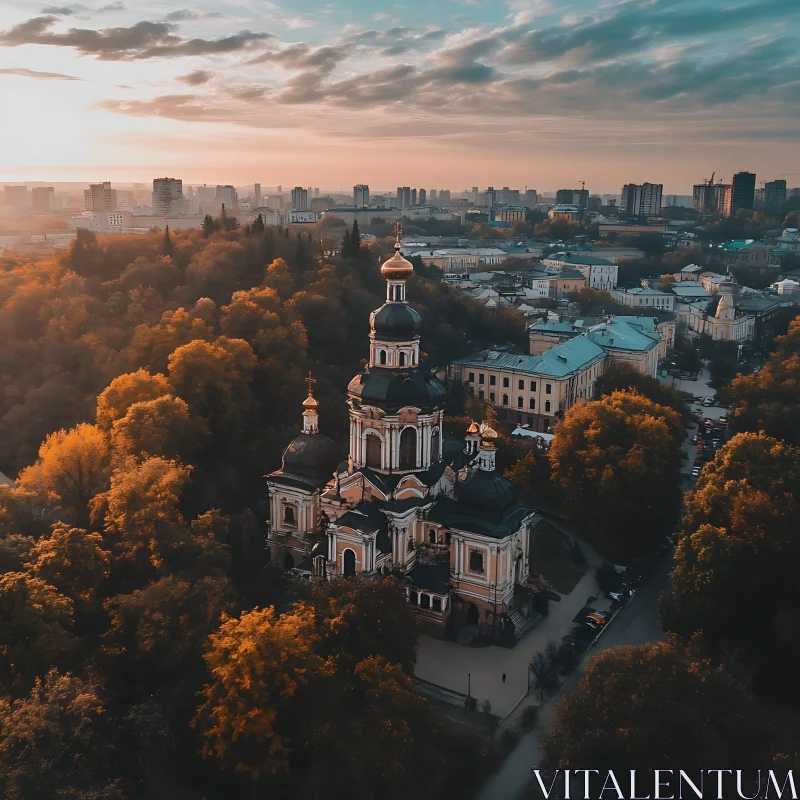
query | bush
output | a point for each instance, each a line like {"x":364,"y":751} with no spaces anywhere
{"x":529,"y":716}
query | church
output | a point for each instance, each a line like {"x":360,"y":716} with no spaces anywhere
{"x":401,"y":503}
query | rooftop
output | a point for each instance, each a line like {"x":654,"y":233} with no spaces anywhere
{"x":579,"y":260}
{"x":638,"y":334}
{"x":640,"y":290}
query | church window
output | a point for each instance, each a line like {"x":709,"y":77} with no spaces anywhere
{"x":432,"y":536}
{"x":382,"y":357}
{"x":424,"y":601}
{"x":408,"y":448}
{"x":435,"y":439}
{"x":402,"y":359}
{"x":410,"y":544}
{"x":348,"y":563}
{"x":412,"y":598}
{"x":374,"y":450}
{"x":289,"y":516}
{"x":476,"y":561}
{"x":437,"y":603}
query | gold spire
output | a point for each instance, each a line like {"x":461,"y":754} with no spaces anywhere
{"x":310,"y":401}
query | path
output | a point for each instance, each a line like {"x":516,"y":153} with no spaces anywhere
{"x":636,"y":624}
{"x":450,"y":664}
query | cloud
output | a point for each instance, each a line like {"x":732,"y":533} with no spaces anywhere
{"x":187,"y":14}
{"x":196,"y":78}
{"x":63,"y":11}
{"x":32,"y":73}
{"x":139,"y":41}
{"x":117,"y":6}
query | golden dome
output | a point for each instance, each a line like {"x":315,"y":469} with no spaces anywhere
{"x":489,"y":435}
{"x":397,"y":267}
{"x":474,"y":428}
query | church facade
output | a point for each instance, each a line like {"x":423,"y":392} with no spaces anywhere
{"x":401,"y":502}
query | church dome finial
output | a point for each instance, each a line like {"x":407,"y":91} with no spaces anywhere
{"x":397,"y":267}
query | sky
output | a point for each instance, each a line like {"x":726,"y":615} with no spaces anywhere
{"x":435,"y":93}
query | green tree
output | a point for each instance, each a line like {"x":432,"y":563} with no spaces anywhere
{"x":209,"y":225}
{"x":258,"y":226}
{"x":615,"y":463}
{"x":167,"y":247}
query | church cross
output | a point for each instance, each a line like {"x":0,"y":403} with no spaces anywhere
{"x":310,"y":381}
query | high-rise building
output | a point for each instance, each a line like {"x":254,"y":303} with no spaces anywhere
{"x":167,"y":196}
{"x":43,"y":198}
{"x":227,"y":195}
{"x":774,"y":193}
{"x":100,"y":197}
{"x":508,"y":197}
{"x":475,"y":197}
{"x":299,"y":199}
{"x":257,"y":195}
{"x":413,"y":197}
{"x":491,"y":197}
{"x":16,"y":196}
{"x":316,"y":192}
{"x":433,"y":196}
{"x":573,"y":197}
{"x":712,"y":198}
{"x":361,"y":195}
{"x":641,"y":200}
{"x":422,"y":197}
{"x":531,"y":198}
{"x":744,"y":190}
{"x":444,"y":196}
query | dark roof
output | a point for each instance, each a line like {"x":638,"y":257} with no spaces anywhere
{"x":365,"y":517}
{"x":387,"y":482}
{"x":435,"y":577}
{"x":308,"y":462}
{"x":487,"y":491}
{"x":494,"y":524}
{"x":398,"y":388}
{"x":396,"y":321}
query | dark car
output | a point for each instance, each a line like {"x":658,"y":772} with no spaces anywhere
{"x":696,"y":471}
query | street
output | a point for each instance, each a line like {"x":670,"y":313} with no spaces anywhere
{"x":635,"y":625}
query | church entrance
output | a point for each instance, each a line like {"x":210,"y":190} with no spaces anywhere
{"x":348,"y":563}
{"x":473,"y":615}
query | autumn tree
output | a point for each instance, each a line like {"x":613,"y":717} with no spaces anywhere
{"x":360,"y":619}
{"x":615,"y":463}
{"x":35,"y":629}
{"x":57,"y":741}
{"x":263,"y":671}
{"x":76,"y":564}
{"x":161,"y":427}
{"x":125,"y":390}
{"x":622,"y":377}
{"x":279,"y":278}
{"x":72,"y":468}
{"x":643,"y":706}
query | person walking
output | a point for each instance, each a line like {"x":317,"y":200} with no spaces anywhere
{"x":504,"y":677}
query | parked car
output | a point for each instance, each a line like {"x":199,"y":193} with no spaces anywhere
{"x":698,"y":399}
{"x":695,"y":439}
{"x":591,"y":625}
{"x":709,"y":401}
{"x":696,"y":471}
{"x":596,"y":618}
{"x":723,"y":420}
{"x":700,"y":447}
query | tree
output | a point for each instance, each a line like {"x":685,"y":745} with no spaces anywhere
{"x":57,"y":742}
{"x":358,"y":619}
{"x":767,"y":400}
{"x":544,"y":673}
{"x":279,"y":278}
{"x":161,"y":427}
{"x":258,"y":226}
{"x":626,"y":378}
{"x":209,"y":225}
{"x":643,"y":706}
{"x":125,"y":390}
{"x":167,"y":247}
{"x":73,"y":467}
{"x":35,"y":629}
{"x":262,"y":672}
{"x":615,"y":462}
{"x":76,"y":564}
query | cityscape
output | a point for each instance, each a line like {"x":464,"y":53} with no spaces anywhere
{"x":400,"y":401}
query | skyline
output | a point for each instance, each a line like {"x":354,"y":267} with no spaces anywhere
{"x":489,"y":93}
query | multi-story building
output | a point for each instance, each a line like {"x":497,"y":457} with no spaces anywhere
{"x":510,"y":214}
{"x":565,"y":213}
{"x":227,"y":196}
{"x":713,"y":198}
{"x":508,"y":197}
{"x":444,"y":197}
{"x":573,"y":197}
{"x":531,"y":198}
{"x":726,"y":323}
{"x":747,"y":253}
{"x":599,"y":272}
{"x":167,"y":196}
{"x":100,"y":197}
{"x":103,"y":221}
{"x":744,"y":188}
{"x":16,"y":196}
{"x":774,"y":194}
{"x":639,"y":297}
{"x":256,"y":195}
{"x":404,"y":197}
{"x":459,"y":259}
{"x":433,"y":196}
{"x":43,"y":198}
{"x":631,"y":340}
{"x":533,"y":390}
{"x":361,"y":195}
{"x":641,"y":200}
{"x":423,"y":196}
{"x":300,"y":199}
{"x":413,"y":197}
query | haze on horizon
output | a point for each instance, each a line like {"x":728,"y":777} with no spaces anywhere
{"x":451,"y":93}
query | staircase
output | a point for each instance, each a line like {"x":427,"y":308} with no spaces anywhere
{"x":520,"y":623}
{"x":467,"y":634}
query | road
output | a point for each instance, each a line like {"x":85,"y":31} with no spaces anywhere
{"x":636,"y":624}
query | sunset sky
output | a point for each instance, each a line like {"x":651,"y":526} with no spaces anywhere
{"x":447,"y":93}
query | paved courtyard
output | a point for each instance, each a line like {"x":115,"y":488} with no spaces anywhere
{"x":481,"y":668}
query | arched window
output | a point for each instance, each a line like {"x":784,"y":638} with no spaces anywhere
{"x":348,"y":563}
{"x":289,"y":517}
{"x":382,"y":357}
{"x":402,"y":359}
{"x":435,"y":439}
{"x":374,"y":450}
{"x":408,"y":448}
